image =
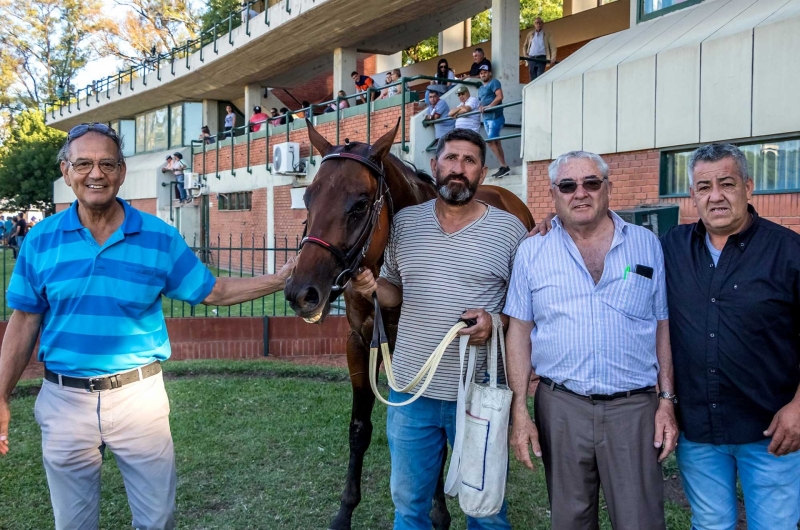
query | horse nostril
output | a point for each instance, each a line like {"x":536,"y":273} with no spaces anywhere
{"x":311,"y":298}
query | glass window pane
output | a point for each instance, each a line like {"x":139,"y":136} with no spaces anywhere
{"x":176,"y":125}
{"x":127,"y":131}
{"x":192,"y":121}
{"x":160,"y":129}
{"x":141,"y":135}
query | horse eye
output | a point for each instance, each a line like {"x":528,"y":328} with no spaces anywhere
{"x":359,"y":208}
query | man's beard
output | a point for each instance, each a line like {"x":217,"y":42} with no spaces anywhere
{"x":456,"y":196}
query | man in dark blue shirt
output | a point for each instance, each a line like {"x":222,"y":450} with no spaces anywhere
{"x":733,"y":286}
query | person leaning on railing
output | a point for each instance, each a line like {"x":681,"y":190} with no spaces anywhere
{"x":205,"y":135}
{"x":103,"y":335}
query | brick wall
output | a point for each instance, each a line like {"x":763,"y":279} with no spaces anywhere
{"x":241,"y":338}
{"x":320,"y":88}
{"x":240,"y":229}
{"x":354,"y":128}
{"x":288,"y":223}
{"x":635,"y":176}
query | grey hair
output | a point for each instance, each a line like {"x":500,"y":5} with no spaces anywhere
{"x":715,"y":152}
{"x":63,"y":153}
{"x":555,"y":165}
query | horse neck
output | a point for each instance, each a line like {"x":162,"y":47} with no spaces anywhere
{"x":405,"y":187}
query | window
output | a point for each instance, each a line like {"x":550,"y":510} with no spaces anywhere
{"x":192,"y":121}
{"x":774,"y":167}
{"x":176,"y":125}
{"x":234,"y":201}
{"x":655,"y":8}
{"x":141,"y":144}
{"x":127,"y":131}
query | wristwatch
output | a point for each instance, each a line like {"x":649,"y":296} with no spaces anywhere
{"x":667,"y":395}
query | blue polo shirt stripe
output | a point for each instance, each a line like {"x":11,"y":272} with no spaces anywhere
{"x":102,"y":305}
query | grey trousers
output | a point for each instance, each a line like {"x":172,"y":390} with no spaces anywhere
{"x":133,"y":422}
{"x":587,"y":444}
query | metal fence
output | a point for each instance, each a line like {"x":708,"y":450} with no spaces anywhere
{"x":225,"y":257}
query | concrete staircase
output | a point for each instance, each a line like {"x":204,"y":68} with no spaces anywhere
{"x":514,"y":182}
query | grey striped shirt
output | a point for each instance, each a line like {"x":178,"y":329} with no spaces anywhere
{"x":594,"y":339}
{"x":442,"y":275}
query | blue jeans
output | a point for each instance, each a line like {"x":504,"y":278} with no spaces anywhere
{"x":771,"y":485}
{"x":494,"y":126}
{"x":418,"y":434}
{"x":181,"y":189}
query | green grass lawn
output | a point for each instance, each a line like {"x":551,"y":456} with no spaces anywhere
{"x":259,"y":444}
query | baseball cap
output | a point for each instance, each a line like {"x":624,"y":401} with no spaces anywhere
{"x":485,"y":67}
{"x":168,"y":157}
{"x":256,"y":109}
{"x":462,"y":90}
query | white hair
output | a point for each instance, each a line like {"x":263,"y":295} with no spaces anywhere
{"x":715,"y":152}
{"x":555,"y":165}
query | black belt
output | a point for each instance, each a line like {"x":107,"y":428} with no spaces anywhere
{"x":106,"y":382}
{"x":598,"y":397}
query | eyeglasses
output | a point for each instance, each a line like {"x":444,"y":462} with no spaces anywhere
{"x":590,"y":184}
{"x":84,"y":166}
{"x":83,"y":128}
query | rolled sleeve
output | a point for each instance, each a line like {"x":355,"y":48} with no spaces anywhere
{"x":189,"y":280}
{"x":518,"y":300}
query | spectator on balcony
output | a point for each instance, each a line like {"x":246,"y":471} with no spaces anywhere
{"x":363,"y":82}
{"x":258,"y":119}
{"x":539,"y":49}
{"x":305,"y":112}
{"x":395,"y":90}
{"x":491,"y":95}
{"x":466,"y":104}
{"x":274,"y":117}
{"x":343,"y":103}
{"x":286,"y":115}
{"x":230,"y":121}
{"x":478,"y":59}
{"x":385,"y":91}
{"x":178,"y":168}
{"x":443,"y":71}
{"x":248,"y":13}
{"x":438,"y":108}
{"x":205,"y":135}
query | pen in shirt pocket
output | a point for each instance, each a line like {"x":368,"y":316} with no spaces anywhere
{"x":625,"y":274}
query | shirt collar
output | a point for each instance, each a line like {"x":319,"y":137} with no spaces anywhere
{"x":131,"y":225}
{"x":742,"y":237}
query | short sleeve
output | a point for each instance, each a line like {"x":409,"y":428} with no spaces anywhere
{"x":24,"y":290}
{"x":660,"y":309}
{"x":518,"y":299}
{"x":390,"y":270}
{"x":188,"y":280}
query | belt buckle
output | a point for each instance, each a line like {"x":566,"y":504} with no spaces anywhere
{"x":90,"y":385}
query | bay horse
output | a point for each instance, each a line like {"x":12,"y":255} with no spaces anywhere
{"x":350,"y":205}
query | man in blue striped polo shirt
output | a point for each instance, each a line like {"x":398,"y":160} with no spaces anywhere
{"x":91,"y":280}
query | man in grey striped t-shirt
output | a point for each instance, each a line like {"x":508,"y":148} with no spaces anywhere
{"x":444,"y":256}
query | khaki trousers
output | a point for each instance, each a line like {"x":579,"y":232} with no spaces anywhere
{"x":586,"y":444}
{"x":133,"y":422}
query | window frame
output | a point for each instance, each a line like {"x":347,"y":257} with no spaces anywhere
{"x":236,"y":201}
{"x":744,"y":142}
{"x":641,"y":16}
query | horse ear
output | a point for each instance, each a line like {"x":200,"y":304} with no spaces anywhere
{"x":381,"y":148}
{"x":317,"y":140}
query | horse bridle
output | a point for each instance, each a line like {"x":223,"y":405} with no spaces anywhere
{"x":351,"y":260}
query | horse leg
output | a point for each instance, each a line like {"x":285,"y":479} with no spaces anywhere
{"x":360,"y":430}
{"x":440,"y":516}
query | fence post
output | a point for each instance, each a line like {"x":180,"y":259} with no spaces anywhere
{"x":249,"y":170}
{"x":369,"y":112}
{"x":233,"y":148}
{"x":266,"y":336}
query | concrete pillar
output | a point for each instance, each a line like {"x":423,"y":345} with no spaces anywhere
{"x":567,"y":8}
{"x":455,"y":37}
{"x":505,"y":45}
{"x":384,"y":63}
{"x":252,"y":97}
{"x":211,"y":115}
{"x":345,"y":62}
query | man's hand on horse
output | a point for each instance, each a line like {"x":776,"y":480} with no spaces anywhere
{"x":364,"y":283}
{"x":480,"y":332}
{"x":287,"y":268}
{"x":545,"y":226}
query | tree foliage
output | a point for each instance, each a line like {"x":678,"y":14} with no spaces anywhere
{"x":427,"y":49}
{"x":45,"y":43}
{"x":218,"y":10}
{"x":528,"y":11}
{"x":28,"y":165}
{"x":147,"y":25}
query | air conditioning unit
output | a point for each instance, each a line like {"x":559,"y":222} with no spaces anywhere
{"x":285,"y":158}
{"x":192,"y":181}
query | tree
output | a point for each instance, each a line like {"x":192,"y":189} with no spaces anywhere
{"x":218,"y":10}
{"x":45,"y":42}
{"x":427,"y":49}
{"x":528,"y":11}
{"x":28,"y":165}
{"x":148,"y":25}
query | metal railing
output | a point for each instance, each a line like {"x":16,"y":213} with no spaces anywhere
{"x":428,"y":123}
{"x":153,"y":63}
{"x":314,"y":111}
{"x":225,"y":257}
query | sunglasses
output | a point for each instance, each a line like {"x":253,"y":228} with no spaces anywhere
{"x":570,"y":186}
{"x":83,"y":128}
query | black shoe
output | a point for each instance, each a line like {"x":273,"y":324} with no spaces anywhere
{"x":502,"y":172}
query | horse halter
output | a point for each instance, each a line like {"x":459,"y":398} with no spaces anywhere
{"x":351,"y":260}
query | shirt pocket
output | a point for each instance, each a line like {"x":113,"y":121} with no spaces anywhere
{"x":631,"y":296}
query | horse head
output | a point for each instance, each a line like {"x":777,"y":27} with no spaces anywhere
{"x":347,"y":224}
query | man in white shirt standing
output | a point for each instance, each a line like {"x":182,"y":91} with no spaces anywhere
{"x":467,"y":104}
{"x":539,"y":49}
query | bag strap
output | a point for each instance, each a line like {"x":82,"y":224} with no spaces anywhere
{"x":452,"y":483}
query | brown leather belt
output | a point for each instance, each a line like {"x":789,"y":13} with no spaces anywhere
{"x":105,"y":382}
{"x":598,"y":397}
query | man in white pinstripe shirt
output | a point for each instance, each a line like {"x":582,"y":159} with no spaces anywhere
{"x":588,"y":313}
